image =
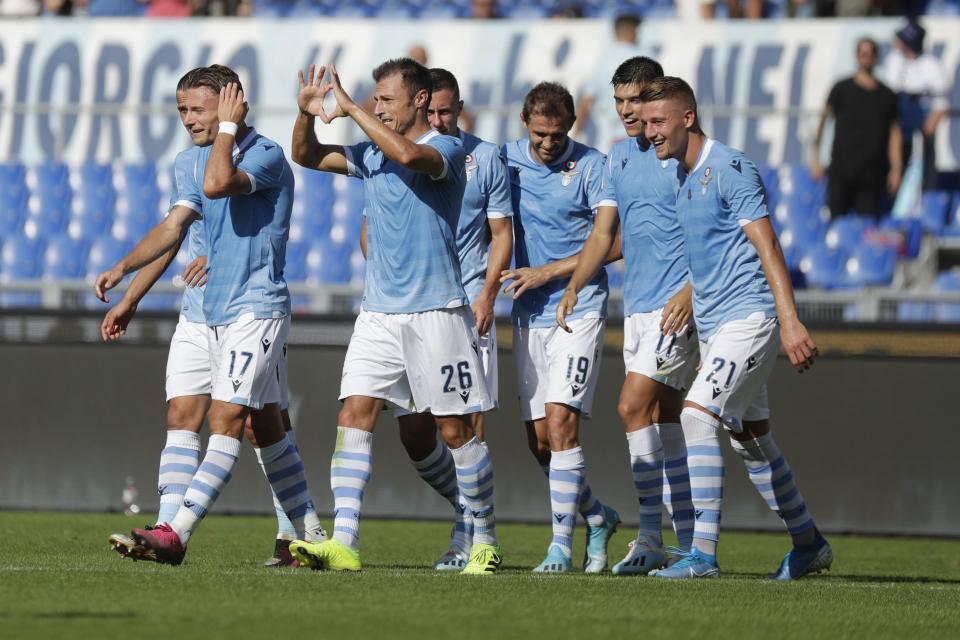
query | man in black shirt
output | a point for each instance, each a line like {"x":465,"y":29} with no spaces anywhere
{"x":865,"y":163}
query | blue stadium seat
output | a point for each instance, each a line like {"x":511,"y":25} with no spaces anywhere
{"x":871,"y":265}
{"x":910,"y":231}
{"x":934,"y":206}
{"x":46,"y":222}
{"x":22,"y":258}
{"x":615,"y":275}
{"x":65,"y":258}
{"x":12,"y":173}
{"x":105,"y":252}
{"x":91,"y":220}
{"x":295,"y":269}
{"x":824,"y":267}
{"x":328,"y":263}
{"x":948,"y":282}
{"x":847,"y":232}
{"x":12,"y":216}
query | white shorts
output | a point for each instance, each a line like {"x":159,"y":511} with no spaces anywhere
{"x":426,"y":361}
{"x":668,"y":359}
{"x":735,"y":364}
{"x":188,"y":363}
{"x":244,"y":359}
{"x":558,"y":367}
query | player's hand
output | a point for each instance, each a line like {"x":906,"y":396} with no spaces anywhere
{"x":798,"y":345}
{"x":106,"y":281}
{"x":524,"y":278}
{"x":232,"y":108}
{"x":893,"y":181}
{"x":310,"y":99}
{"x":195,"y":275}
{"x":483,"y":312}
{"x":678,"y":311}
{"x":567,"y":303}
{"x":344,"y":101}
{"x":816,"y":170}
{"x":115,"y":323}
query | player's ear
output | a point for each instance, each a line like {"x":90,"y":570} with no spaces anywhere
{"x":422,"y":99}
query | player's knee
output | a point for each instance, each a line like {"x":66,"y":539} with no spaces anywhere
{"x":183,"y":417}
{"x":227,"y":419}
{"x":418,"y":442}
{"x":636,"y":411}
{"x":562,"y":431}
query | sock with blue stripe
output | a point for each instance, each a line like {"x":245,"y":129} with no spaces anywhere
{"x":646,"y":464}
{"x":475,"y":479}
{"x":179,"y":460}
{"x":705,"y":463}
{"x":349,"y":473}
{"x":284,"y":470}
{"x":567,"y":480}
{"x":773,"y":478}
{"x":676,"y":482}
{"x":589,"y":507}
{"x":209,"y":480}
{"x":440,"y":472}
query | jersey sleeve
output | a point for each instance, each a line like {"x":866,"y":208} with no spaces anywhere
{"x":499,"y":200}
{"x":453,"y":154}
{"x":607,"y":189}
{"x":742,"y":188}
{"x":186,"y":191}
{"x":264,"y":164}
{"x":596,"y":195}
{"x":356,"y":159}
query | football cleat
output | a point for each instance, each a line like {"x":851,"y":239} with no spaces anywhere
{"x":163,"y":541}
{"x":454,"y":559}
{"x":484,"y":559}
{"x":801,"y":561}
{"x":642,"y":558}
{"x":128,"y":548}
{"x":281,"y":555}
{"x":595,"y":555}
{"x":692,"y":564}
{"x":555,"y":562}
{"x":329,"y":555}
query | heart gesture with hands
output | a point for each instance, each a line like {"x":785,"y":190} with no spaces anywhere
{"x":313,"y":91}
{"x":232,"y":108}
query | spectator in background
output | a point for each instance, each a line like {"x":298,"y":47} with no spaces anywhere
{"x":865,"y":162}
{"x":175,"y":8}
{"x":921,"y":87}
{"x":58,"y":7}
{"x":484,"y":9}
{"x":599,"y":91}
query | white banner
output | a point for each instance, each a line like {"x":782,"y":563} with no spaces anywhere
{"x":103,"y":89}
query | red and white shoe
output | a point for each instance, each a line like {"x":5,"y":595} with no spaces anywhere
{"x":163,"y":541}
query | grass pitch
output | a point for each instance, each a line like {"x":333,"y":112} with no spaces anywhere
{"x":58,"y":579}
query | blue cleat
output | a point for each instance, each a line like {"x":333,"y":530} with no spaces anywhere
{"x":595,"y":555}
{"x":692,"y":564}
{"x":801,"y":561}
{"x":555,"y":562}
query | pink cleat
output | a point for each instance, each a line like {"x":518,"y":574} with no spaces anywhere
{"x":163,"y":541}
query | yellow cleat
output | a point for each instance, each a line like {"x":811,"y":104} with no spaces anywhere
{"x":329,"y":555}
{"x":484,"y":559}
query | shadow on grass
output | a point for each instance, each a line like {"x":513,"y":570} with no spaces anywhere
{"x":77,"y":615}
{"x":840,"y":577}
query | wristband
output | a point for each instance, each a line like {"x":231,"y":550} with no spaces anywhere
{"x":230,"y":128}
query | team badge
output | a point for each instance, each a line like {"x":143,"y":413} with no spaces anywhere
{"x":569,"y":173}
{"x":705,"y":180}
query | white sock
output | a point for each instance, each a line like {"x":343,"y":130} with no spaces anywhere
{"x":475,"y":478}
{"x":209,"y":480}
{"x":646,"y":464}
{"x":706,"y":477}
{"x":440,"y":472}
{"x":284,"y":470}
{"x":179,"y":461}
{"x":676,"y":482}
{"x":350,"y":471}
{"x":567,"y":477}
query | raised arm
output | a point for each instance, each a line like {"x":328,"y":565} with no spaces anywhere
{"x":306,"y":150}
{"x":796,"y":341}
{"x":222,"y":179}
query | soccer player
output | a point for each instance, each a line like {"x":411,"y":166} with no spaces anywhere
{"x":241,"y":185}
{"x":660,"y":344}
{"x":415,"y":341}
{"x":484,"y":237}
{"x":744,"y":309}
{"x":556,"y":186}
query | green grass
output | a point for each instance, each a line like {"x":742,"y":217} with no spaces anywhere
{"x":58,"y":579}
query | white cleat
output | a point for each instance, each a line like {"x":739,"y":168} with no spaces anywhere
{"x":642,"y":558}
{"x":454,"y":559}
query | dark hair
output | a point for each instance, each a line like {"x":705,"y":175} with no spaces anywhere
{"x":443,"y":79}
{"x":550,"y":100}
{"x":415,"y":76}
{"x":867,"y":40}
{"x":214,"y":77}
{"x":626,"y":20}
{"x":637,"y":70}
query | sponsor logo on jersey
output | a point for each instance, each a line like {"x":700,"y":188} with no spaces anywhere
{"x":266,"y":344}
{"x":705,"y":180}
{"x":576,"y":389}
{"x":236,"y":384}
{"x":751,"y":362}
{"x":559,"y":517}
{"x":736,"y":165}
{"x":623,"y":163}
{"x":717,"y":391}
{"x":464,"y":395}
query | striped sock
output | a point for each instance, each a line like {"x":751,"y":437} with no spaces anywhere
{"x":475,"y":478}
{"x":771,"y":475}
{"x":646,"y":463}
{"x":676,"y":482}
{"x":178,"y":462}
{"x":439,"y":471}
{"x":288,"y":482}
{"x":285,"y":528}
{"x":567,"y":476}
{"x":589,"y":507}
{"x":706,"y":477}
{"x":349,"y":473}
{"x":209,"y":480}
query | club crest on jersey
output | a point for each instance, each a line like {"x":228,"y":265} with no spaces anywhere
{"x":569,"y":173}
{"x":705,"y":180}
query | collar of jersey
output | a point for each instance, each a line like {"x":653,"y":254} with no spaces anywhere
{"x":429,"y":135}
{"x":707,"y":146}
{"x":239,"y":146}
{"x":559,"y":161}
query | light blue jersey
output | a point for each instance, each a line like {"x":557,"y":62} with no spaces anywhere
{"x":412,"y":263}
{"x":246,"y":235}
{"x":187,"y":193}
{"x":487,"y":195}
{"x":645,"y":189}
{"x":723,"y":193}
{"x":553,"y":214}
